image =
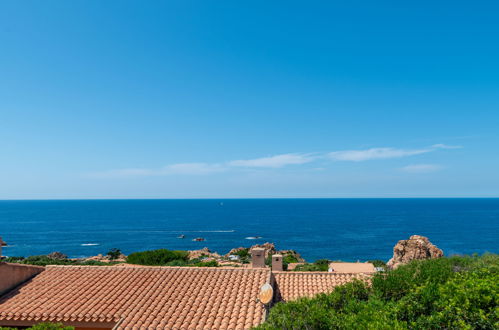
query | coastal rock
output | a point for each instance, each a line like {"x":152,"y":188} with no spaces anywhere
{"x":57,"y":256}
{"x":102,"y":258}
{"x":204,"y":252}
{"x":235,"y":251}
{"x":415,"y":248}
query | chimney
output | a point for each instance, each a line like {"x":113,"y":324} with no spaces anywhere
{"x":277,"y":262}
{"x":258,"y":258}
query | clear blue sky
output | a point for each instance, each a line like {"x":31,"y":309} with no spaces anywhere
{"x":174,"y":99}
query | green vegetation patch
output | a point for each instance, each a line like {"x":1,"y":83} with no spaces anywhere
{"x":159,"y":257}
{"x":449,"y":293}
{"x":44,"y":260}
{"x":44,"y":326}
{"x":164,"y":257}
{"x":321,"y":265}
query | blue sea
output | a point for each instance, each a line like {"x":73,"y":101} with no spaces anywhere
{"x":338,"y":229}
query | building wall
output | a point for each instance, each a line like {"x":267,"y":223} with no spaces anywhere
{"x":12,"y":275}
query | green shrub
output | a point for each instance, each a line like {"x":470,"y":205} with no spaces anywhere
{"x":44,"y":260}
{"x":289,"y":259}
{"x":114,"y":254}
{"x":321,"y":265}
{"x":378,"y":263}
{"x":192,"y":263}
{"x":50,"y":326}
{"x":14,"y":259}
{"x":41,"y":260}
{"x":243,"y":253}
{"x":211,"y":263}
{"x":448,"y":293}
{"x":157,"y":257}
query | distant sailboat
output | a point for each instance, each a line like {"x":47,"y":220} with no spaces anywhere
{"x":181,"y":236}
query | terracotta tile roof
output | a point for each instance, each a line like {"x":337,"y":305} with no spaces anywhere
{"x":352,"y":267}
{"x":146,"y":297}
{"x":294,"y":285}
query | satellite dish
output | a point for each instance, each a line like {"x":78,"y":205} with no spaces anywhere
{"x":266,"y":294}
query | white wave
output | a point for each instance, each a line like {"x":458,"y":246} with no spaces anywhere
{"x":90,"y":244}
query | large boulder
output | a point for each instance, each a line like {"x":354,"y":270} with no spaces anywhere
{"x":415,"y":248}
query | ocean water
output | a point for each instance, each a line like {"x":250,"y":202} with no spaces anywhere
{"x":338,"y":229}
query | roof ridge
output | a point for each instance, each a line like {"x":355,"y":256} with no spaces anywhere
{"x":160,"y":267}
{"x":318,"y":272}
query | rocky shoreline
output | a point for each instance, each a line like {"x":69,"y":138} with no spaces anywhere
{"x":415,"y":248}
{"x":237,"y":257}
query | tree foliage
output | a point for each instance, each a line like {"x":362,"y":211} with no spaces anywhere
{"x":321,"y":265}
{"x":159,"y":257}
{"x":164,"y":257}
{"x":114,"y":254}
{"x":44,"y":260}
{"x":450,"y":293}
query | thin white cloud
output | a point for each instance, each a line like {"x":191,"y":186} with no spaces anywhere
{"x":383,"y":153}
{"x":375,"y":153}
{"x":444,"y":146}
{"x":282,"y":160}
{"x":274,"y":161}
{"x":421,"y":168}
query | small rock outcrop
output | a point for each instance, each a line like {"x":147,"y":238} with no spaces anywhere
{"x":106,"y":258}
{"x":203,"y":253}
{"x":57,"y":256}
{"x":416,"y":247}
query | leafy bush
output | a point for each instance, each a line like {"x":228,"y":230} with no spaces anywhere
{"x":157,"y":257}
{"x":192,"y":263}
{"x":321,"y":265}
{"x":290,"y":258}
{"x":114,"y":254}
{"x":378,"y":263}
{"x":243,"y":253}
{"x":211,"y":263}
{"x":452,"y":293}
{"x":44,"y":260}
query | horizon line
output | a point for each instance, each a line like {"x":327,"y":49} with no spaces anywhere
{"x":240,"y":198}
